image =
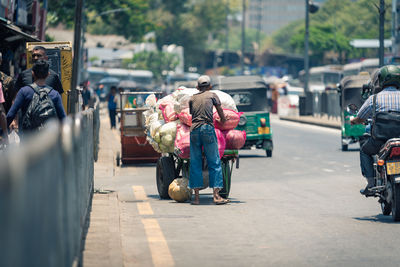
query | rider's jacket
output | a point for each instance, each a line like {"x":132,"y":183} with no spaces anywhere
{"x":386,"y":100}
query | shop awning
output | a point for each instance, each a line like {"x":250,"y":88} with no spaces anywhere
{"x":10,"y":33}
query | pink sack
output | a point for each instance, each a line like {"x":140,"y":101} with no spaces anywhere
{"x":221,"y":142}
{"x":182,"y":141}
{"x":235,"y":139}
{"x":232,"y":121}
{"x":185,"y":117}
{"x":167,"y":109}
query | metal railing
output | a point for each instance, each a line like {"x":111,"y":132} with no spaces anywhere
{"x":320,"y":104}
{"x":46,"y":187}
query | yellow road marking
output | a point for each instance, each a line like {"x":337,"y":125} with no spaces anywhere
{"x":145,"y":208}
{"x":139,"y":193}
{"x":160,"y":253}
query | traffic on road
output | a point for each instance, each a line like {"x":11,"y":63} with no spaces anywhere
{"x":199,"y":133}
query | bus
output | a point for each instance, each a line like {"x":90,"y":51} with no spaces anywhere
{"x":351,"y":69}
{"x":322,"y":78}
{"x":367,"y":65}
{"x":143,"y":78}
{"x":95,"y":74}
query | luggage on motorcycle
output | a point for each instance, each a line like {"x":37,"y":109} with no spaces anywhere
{"x":385,"y":125}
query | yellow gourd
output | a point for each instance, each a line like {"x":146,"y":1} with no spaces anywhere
{"x":179,"y":191}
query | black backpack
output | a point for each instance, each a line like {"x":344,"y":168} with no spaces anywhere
{"x":385,"y":125}
{"x":40,"y":109}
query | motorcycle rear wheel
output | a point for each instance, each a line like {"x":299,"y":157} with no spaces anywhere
{"x":396,"y":201}
{"x":386,"y":208}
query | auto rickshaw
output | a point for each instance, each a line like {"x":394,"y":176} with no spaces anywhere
{"x":134,"y":146}
{"x":350,"y":90}
{"x":250,"y":96}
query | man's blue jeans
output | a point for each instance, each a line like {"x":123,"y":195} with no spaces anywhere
{"x":369,"y":148}
{"x":204,"y":137}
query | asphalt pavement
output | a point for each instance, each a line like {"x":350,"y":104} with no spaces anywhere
{"x":301,"y":207}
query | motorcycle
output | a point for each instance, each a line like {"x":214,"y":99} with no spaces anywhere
{"x":387,"y":175}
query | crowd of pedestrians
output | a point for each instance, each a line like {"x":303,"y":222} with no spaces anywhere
{"x":30,"y":98}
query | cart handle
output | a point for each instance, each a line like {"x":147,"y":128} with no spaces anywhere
{"x":139,"y":144}
{"x":140,"y":93}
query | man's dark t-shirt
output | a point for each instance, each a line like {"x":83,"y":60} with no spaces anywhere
{"x":25,"y":79}
{"x":201,"y":108}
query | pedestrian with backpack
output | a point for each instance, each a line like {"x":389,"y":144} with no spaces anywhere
{"x":37,"y":101}
{"x":3,"y":121}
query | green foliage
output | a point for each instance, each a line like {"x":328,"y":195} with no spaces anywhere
{"x":235,"y":38}
{"x":131,"y":22}
{"x":49,"y":38}
{"x":333,"y":27}
{"x":92,"y":59}
{"x":157,"y":62}
{"x":322,"y":38}
{"x":190,"y":25}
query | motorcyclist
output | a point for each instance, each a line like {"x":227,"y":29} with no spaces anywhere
{"x":387,"y":99}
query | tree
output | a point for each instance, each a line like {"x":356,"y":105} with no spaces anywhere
{"x":157,"y":62}
{"x":344,"y":18}
{"x":190,"y":25}
{"x":322,"y":39}
{"x":129,"y":18}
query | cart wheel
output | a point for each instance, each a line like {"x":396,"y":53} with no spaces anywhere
{"x":165,"y":174}
{"x":226,"y":176}
{"x":118,"y":159}
{"x":269,"y":153}
{"x":345,"y":147}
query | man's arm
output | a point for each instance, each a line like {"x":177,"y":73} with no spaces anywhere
{"x":356,"y":120}
{"x":19,"y":99}
{"x":58,"y":85}
{"x":364,"y":113}
{"x":221,"y":114}
{"x":59,"y":107}
{"x":19,"y":83}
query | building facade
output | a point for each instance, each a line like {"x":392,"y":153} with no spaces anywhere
{"x":271,"y":15}
{"x":21,"y":21}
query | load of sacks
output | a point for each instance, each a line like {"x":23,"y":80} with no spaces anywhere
{"x":168,"y":123}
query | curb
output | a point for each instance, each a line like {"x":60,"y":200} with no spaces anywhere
{"x":327,"y":124}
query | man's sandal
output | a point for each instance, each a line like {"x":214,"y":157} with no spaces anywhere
{"x":221,"y":201}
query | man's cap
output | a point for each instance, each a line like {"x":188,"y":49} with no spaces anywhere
{"x":203,"y":81}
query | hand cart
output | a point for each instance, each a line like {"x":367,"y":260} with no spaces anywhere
{"x":170,"y":166}
{"x":134,"y":146}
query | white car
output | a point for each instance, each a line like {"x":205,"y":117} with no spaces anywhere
{"x":288,"y":104}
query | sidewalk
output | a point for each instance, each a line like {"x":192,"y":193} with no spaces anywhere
{"x":324,"y":120}
{"x":103,"y":240}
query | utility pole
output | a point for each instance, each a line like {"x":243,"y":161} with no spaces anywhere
{"x":306,"y":48}
{"x":259,"y":24}
{"x":226,"y":57}
{"x":381,"y":32}
{"x":243,"y":35}
{"x":73,"y":98}
{"x":310,"y":8}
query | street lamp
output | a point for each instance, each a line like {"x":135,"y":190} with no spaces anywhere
{"x":382,"y":11}
{"x":243,"y":35}
{"x":310,"y":8}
